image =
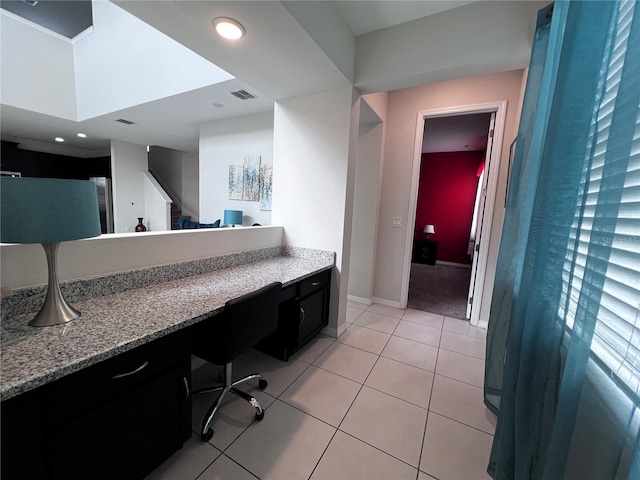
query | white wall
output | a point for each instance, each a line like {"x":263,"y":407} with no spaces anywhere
{"x":477,"y":39}
{"x":327,"y":27}
{"x":225,"y":143}
{"x":310,"y":180}
{"x":26,"y":265}
{"x":403,"y":108}
{"x":365,"y":207}
{"x":157,"y":205}
{"x":191,"y":185}
{"x":37,"y":71}
{"x":166,"y":163}
{"x":128,"y":162}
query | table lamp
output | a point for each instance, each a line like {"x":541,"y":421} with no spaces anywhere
{"x":429,"y":230}
{"x":233,"y":217}
{"x":49,"y":211}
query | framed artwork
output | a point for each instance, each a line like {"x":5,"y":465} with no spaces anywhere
{"x":251,"y":178}
{"x":251,"y":182}
{"x":266,"y":176}
{"x":236,"y":182}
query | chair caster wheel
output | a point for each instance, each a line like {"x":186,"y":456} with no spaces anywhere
{"x":262,"y":384}
{"x":260,"y":416}
{"x":207,"y":436}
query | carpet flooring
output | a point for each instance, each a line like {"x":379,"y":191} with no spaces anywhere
{"x":439,"y":289}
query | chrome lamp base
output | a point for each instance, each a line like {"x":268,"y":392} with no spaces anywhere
{"x":55,"y":310}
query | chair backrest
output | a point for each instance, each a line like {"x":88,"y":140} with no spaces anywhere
{"x":244,"y":322}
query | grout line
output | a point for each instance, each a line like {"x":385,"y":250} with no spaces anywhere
{"x":409,"y":364}
{"x":361,"y":386}
{"x":465,"y":354}
{"x":398,"y":398}
{"x":433,"y":381}
{"x":380,"y":450}
{"x":462,"y":423}
{"x":241,"y":466}
{"x":465,"y":334}
{"x":362,"y":349}
{"x":365,"y":380}
{"x":212,"y":462}
{"x":458,"y":380}
{"x":323,"y":453}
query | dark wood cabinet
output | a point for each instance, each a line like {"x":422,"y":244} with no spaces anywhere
{"x":303,"y":312}
{"x":424,"y":251}
{"x":118,"y":419}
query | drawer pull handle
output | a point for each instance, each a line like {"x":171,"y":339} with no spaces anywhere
{"x":186,"y":387}
{"x":140,"y":368}
{"x":302,"y":315}
{"x":315,"y":284}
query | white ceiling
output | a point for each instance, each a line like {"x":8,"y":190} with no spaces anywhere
{"x":457,"y":133}
{"x":368,"y":16}
{"x":278,"y":60}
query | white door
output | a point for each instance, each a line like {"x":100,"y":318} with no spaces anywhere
{"x":478,"y":216}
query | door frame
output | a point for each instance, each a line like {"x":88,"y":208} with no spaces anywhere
{"x":500,"y":109}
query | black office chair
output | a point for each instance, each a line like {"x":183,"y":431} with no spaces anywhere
{"x":244,"y":322}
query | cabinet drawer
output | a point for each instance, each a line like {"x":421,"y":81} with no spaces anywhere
{"x":316,"y":282}
{"x":101,"y":383}
{"x":288,"y":293}
{"x":125,"y":439}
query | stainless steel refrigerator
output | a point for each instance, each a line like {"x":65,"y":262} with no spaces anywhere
{"x":105,"y":203}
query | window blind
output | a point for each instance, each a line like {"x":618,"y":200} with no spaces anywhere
{"x":607,"y":220}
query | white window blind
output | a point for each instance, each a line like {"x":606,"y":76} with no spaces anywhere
{"x":616,"y":342}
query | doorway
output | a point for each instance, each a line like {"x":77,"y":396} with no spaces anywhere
{"x":460,"y":250}
{"x":452,"y":173}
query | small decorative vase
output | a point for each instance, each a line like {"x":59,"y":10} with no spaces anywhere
{"x":140,"y":226}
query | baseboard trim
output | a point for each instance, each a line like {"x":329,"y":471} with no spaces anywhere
{"x":332,"y":332}
{"x":453,"y":264}
{"x":342,"y":329}
{"x":328,"y":331}
{"x":362,"y":300}
{"x":384,"y":301}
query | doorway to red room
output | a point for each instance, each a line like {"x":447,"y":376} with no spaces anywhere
{"x":453,"y":191}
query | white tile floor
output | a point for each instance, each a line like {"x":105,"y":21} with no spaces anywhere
{"x":397,"y":396}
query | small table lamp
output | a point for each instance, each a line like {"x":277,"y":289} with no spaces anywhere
{"x":233,"y":217}
{"x":49,"y":211}
{"x":429,"y":230}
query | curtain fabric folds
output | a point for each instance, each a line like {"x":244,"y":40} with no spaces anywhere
{"x":562,"y":368}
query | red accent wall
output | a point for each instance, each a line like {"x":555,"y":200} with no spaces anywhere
{"x":446,"y":197}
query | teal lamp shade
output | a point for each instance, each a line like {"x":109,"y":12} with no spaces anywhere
{"x":233,"y":217}
{"x":48,"y":211}
{"x":43,"y":210}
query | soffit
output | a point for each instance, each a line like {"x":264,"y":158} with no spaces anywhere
{"x":66,"y":18}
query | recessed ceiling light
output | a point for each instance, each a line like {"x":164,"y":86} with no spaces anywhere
{"x":82,"y":135}
{"x":228,"y":28}
{"x":59,"y":139}
{"x":217,"y":105}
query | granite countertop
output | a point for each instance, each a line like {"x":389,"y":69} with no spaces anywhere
{"x":115,"y":323}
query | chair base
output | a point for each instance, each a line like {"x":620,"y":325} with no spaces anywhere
{"x":229,"y":387}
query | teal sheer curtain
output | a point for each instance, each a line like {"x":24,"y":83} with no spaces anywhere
{"x":563,"y":343}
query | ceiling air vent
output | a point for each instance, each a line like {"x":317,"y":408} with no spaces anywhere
{"x":126,"y":122}
{"x":243,"y":95}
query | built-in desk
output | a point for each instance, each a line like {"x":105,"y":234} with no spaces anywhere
{"x":59,"y":406}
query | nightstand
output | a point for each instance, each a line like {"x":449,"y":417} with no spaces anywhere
{"x":424,"y":251}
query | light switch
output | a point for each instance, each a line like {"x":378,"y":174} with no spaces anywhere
{"x":397,"y":222}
